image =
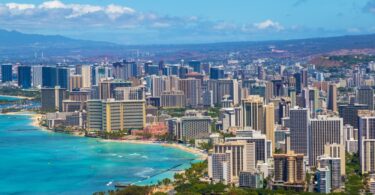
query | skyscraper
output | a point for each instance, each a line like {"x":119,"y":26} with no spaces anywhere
{"x":52,"y":98}
{"x":252,"y":113}
{"x":366,"y":142}
{"x":63,"y":79}
{"x":269,"y":123}
{"x":24,"y":77}
{"x":299,"y":124}
{"x":6,"y":73}
{"x":324,"y":130}
{"x":289,"y":168}
{"x":37,"y":76}
{"x":49,"y":77}
{"x":196,"y":65}
{"x":110,"y":115}
{"x":192,"y":90}
{"x":365,"y":95}
{"x":217,"y":72}
{"x":332,"y":97}
{"x":86,"y":76}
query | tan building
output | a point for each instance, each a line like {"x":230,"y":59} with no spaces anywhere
{"x":75,"y":82}
{"x":86,"y":76}
{"x":332,"y":97}
{"x":110,"y":115}
{"x":289,"y":168}
{"x":269,"y":123}
{"x":252,"y":113}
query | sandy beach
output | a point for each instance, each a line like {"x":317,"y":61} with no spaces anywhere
{"x":36,"y":118}
{"x":199,"y":153}
{"x":20,"y":97}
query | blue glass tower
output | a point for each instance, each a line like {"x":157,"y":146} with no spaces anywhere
{"x":49,"y":77}
{"x":63,"y":77}
{"x":196,"y":65}
{"x":24,"y":77}
{"x":217,"y":73}
{"x":6,"y":73}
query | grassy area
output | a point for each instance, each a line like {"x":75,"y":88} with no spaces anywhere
{"x":174,"y":112}
{"x":354,"y":183}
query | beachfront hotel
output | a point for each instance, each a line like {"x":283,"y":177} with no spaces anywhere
{"x":111,"y":115}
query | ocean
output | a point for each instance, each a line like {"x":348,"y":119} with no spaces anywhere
{"x":35,"y":161}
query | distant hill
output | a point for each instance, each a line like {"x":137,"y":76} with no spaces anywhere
{"x":16,"y":39}
{"x":15,"y":45}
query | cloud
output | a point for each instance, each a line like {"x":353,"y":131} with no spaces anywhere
{"x":354,"y":30}
{"x":299,"y":2}
{"x":269,"y":25}
{"x":370,"y":6}
{"x":119,"y":23}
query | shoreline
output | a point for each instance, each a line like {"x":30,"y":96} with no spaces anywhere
{"x":36,"y":118}
{"x":201,"y":155}
{"x":19,"y":97}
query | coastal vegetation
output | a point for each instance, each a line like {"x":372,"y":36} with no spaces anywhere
{"x":191,"y":182}
{"x":15,"y":91}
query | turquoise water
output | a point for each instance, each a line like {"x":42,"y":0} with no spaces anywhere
{"x":9,"y":98}
{"x":40,"y":162}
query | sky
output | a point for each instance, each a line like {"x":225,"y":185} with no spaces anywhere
{"x":189,"y":21}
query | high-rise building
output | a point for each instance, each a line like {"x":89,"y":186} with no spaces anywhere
{"x":220,"y":167}
{"x":173,"y":99}
{"x":190,"y":127}
{"x":107,"y":88}
{"x":6,"y":73}
{"x":311,"y":97}
{"x":49,"y":77}
{"x":252,"y":113}
{"x":334,"y":167}
{"x":52,"y":98}
{"x":110,"y":115}
{"x":324,"y":130}
{"x":75,"y":82}
{"x":365,"y":95}
{"x":289,"y":168}
{"x":299,"y":84}
{"x":125,"y":70}
{"x":86,"y":76}
{"x":158,"y":85}
{"x":217,"y":72}
{"x":299,"y":124}
{"x":304,"y":78}
{"x":196,"y":65}
{"x":250,"y":179}
{"x":63,"y":79}
{"x":37,"y":76}
{"x":269,"y":122}
{"x":129,"y":93}
{"x":192,"y":90}
{"x":242,"y":156}
{"x":332,"y":97}
{"x":99,"y":73}
{"x":24,"y":77}
{"x":224,"y":87}
{"x":366,"y":142}
{"x":323,"y":178}
{"x":263,"y":146}
{"x":349,"y":113}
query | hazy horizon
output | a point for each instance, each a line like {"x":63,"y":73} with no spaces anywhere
{"x":145,"y":22}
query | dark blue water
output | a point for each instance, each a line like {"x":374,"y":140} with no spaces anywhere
{"x":33,"y":161}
